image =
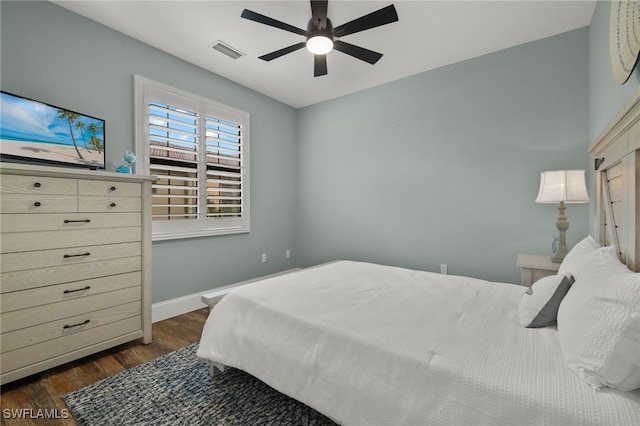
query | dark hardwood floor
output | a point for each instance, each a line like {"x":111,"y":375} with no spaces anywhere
{"x":44,"y":391}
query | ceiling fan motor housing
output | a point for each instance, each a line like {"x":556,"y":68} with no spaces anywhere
{"x":319,"y":39}
{"x":319,"y":29}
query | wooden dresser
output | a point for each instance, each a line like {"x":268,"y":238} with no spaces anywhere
{"x":75,"y":264}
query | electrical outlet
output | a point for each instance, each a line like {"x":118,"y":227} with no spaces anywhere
{"x":287,"y":253}
{"x":264,"y":257}
{"x":443,"y":269}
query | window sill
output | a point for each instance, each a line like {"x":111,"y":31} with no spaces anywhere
{"x":164,"y":236}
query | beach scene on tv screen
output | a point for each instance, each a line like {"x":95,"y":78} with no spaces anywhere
{"x":33,"y":130}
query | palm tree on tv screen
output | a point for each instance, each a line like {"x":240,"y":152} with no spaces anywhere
{"x":80,"y":126}
{"x":94,"y":140}
{"x":71,"y":117}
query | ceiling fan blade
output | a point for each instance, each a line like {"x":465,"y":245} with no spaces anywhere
{"x":380,"y":17}
{"x":254,"y":16}
{"x":357,"y":52}
{"x":273,"y":55}
{"x":319,"y":65}
{"x":319,"y":14}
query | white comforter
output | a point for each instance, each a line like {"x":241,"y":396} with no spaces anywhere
{"x":368,"y":344}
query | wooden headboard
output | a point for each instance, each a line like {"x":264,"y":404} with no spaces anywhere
{"x":616,"y":156}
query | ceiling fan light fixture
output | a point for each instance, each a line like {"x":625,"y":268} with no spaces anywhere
{"x":320,"y":34}
{"x":319,"y":44}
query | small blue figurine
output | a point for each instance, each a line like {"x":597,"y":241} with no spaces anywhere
{"x":130,"y":158}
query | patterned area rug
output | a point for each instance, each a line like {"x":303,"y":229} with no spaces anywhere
{"x":176,"y":389}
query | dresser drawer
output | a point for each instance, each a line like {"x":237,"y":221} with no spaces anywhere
{"x":38,"y":203}
{"x":56,"y":347}
{"x":14,"y":184}
{"x":24,"y":318}
{"x":74,"y":290}
{"x":67,"y":256}
{"x":107,"y":188}
{"x":29,"y":241}
{"x":41,"y":333}
{"x":62,"y":221}
{"x":109,"y":204}
{"x":32,"y":278}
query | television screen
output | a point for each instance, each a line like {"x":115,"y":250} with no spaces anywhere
{"x":34,"y":131}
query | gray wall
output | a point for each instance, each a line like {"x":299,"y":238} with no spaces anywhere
{"x":56,"y":56}
{"x":606,"y":96}
{"x":443,"y":167}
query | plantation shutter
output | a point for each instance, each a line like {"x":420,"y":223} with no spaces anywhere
{"x":198,"y":150}
{"x":174,"y":158}
{"x":224,"y":168}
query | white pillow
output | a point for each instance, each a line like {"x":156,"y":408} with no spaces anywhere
{"x":599,"y":328}
{"x":539,"y":304}
{"x":574,"y":260}
{"x":587,"y":257}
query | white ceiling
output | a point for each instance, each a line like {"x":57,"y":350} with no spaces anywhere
{"x":428,"y":35}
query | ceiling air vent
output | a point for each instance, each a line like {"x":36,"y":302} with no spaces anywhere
{"x":227,"y":50}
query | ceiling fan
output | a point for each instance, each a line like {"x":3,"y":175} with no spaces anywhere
{"x":321,"y":35}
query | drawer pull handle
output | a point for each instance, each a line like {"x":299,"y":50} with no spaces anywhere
{"x":66,"y":256}
{"x":37,"y":204}
{"x":78,"y":289}
{"x":77,"y":221}
{"x":113,"y":188}
{"x":77,"y":325}
{"x":37,"y":184}
{"x":113,"y":204}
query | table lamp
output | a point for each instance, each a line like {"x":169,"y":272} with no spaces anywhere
{"x":562,"y":186}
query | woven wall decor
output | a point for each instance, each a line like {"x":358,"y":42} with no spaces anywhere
{"x":624,"y":38}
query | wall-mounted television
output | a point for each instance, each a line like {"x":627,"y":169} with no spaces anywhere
{"x":31,"y":130}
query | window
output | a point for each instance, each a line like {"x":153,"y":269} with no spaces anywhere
{"x":199,"y":151}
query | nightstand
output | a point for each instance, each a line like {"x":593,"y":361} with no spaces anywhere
{"x":535,"y":266}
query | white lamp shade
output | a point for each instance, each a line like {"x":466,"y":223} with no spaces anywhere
{"x":562,"y":185}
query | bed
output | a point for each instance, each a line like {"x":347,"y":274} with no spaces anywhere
{"x":369,"y":344}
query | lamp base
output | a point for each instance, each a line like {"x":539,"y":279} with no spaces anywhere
{"x":562,"y":224}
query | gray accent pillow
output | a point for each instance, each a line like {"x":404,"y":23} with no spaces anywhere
{"x":539,"y":304}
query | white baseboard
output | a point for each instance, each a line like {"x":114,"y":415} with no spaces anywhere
{"x":192,"y":302}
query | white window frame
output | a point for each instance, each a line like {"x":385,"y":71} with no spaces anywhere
{"x":147,"y":90}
